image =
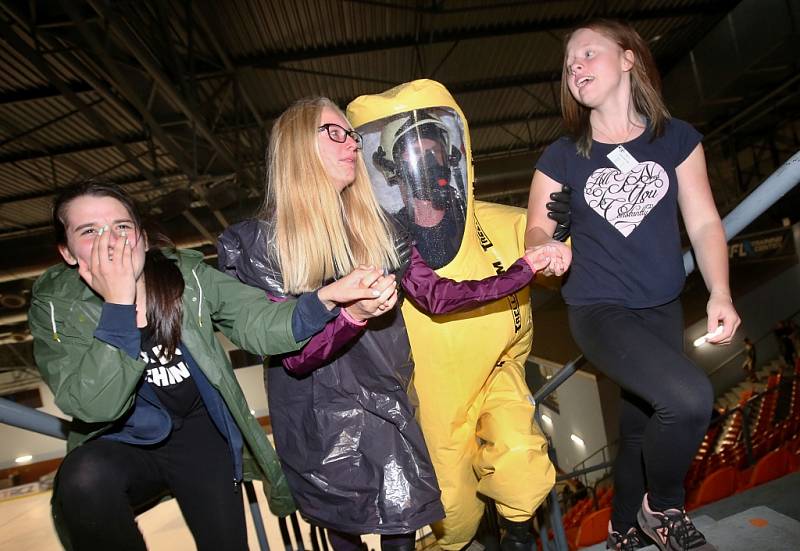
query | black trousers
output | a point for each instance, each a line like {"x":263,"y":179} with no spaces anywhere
{"x":342,"y":541}
{"x":102,"y":484}
{"x":666,"y":400}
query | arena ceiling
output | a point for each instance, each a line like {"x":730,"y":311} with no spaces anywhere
{"x":174,"y":99}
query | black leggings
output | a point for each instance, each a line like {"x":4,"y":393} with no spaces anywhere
{"x":342,"y":541}
{"x":666,"y":400}
{"x":102,"y":484}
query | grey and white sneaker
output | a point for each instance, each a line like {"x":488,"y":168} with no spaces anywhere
{"x":671,"y":530}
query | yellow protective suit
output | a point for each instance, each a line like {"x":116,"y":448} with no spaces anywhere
{"x":475,"y":408}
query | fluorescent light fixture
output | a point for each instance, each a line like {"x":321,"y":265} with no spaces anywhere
{"x":546,"y":419}
{"x":577,"y":439}
{"x":23,"y":459}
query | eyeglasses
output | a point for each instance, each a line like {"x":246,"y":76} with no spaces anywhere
{"x":339,"y":134}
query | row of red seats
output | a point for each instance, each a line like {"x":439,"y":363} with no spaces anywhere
{"x":728,"y":480}
{"x":724,"y":446}
{"x":718,"y":470}
{"x":588,"y":526}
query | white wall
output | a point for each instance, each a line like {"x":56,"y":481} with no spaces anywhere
{"x":580,"y":414}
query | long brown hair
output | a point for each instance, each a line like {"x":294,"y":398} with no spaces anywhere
{"x":163,"y":280}
{"x":320,"y":233}
{"x":645,"y":84}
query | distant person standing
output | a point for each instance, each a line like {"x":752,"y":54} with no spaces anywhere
{"x":749,"y":364}
{"x":783,"y":334}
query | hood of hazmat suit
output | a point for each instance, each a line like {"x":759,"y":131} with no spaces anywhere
{"x":475,"y":409}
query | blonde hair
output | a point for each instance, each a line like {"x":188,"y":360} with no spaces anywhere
{"x":645,"y":84}
{"x":320,"y":234}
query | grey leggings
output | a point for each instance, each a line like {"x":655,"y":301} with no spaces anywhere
{"x":666,"y":400}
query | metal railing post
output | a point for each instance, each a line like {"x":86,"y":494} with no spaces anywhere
{"x":559,"y":535}
{"x":298,"y":535}
{"x":284,"y":528}
{"x":255,"y":511}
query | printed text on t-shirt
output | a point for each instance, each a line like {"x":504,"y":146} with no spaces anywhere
{"x":624,"y":199}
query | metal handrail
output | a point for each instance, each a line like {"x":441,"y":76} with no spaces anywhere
{"x":16,"y":415}
{"x":585,"y":470}
{"x":558,"y":378}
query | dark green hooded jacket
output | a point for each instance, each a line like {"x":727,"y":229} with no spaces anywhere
{"x":96,"y":383}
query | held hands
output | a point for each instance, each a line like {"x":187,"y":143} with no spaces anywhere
{"x":385,"y":301}
{"x":110,"y":271}
{"x":721,"y":312}
{"x":549,"y":259}
{"x":362,"y":292}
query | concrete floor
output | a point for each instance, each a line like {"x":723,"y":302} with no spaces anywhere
{"x":764,"y":518}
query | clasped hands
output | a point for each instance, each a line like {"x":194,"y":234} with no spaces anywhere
{"x":365,"y":293}
{"x":550,"y":259}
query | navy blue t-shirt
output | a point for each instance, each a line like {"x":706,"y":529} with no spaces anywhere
{"x":625,"y":237}
{"x":170,"y":378}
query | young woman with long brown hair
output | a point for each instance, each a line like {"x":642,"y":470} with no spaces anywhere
{"x":124,"y":337}
{"x":631,"y":167}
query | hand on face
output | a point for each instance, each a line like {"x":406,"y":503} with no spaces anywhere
{"x":104,"y":241}
{"x":110,"y":271}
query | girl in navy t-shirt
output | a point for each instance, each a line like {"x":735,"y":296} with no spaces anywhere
{"x":631,"y":167}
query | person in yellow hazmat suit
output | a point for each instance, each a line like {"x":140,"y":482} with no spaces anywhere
{"x":475,"y":408}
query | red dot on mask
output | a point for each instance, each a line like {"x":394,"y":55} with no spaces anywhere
{"x":442,"y":182}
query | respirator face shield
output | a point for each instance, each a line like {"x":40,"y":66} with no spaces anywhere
{"x":417,"y":168}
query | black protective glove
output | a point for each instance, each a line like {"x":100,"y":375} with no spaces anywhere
{"x":558,"y":210}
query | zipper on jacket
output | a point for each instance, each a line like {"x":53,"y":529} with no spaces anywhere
{"x":200,"y":300}
{"x":53,"y":321}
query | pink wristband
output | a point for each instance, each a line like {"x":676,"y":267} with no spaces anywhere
{"x":351,"y":319}
{"x":529,"y":263}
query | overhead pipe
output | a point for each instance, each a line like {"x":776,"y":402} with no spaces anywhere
{"x":754,"y":205}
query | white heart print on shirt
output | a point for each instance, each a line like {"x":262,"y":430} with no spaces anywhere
{"x":625,"y":198}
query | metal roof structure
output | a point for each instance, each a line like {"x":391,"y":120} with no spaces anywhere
{"x":174,"y":99}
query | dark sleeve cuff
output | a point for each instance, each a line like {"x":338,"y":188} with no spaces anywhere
{"x":117,"y":327}
{"x":310,"y":316}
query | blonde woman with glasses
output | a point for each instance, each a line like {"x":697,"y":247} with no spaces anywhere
{"x":341,"y":410}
